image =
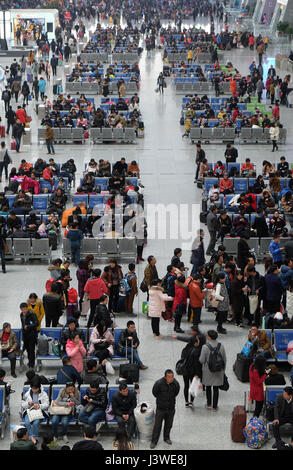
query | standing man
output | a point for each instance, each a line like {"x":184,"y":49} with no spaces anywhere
{"x":259,"y":89}
{"x":29,"y":324}
{"x":150,"y":273}
{"x":49,"y":136}
{"x":132,"y":281}
{"x":200,"y":156}
{"x":6,"y":97}
{"x":260,"y":51}
{"x":17,"y":131}
{"x":231,"y":154}
{"x":165,"y":390}
{"x":10,"y":116}
{"x":212,"y":223}
{"x":75,"y":237}
{"x":54,"y":63}
{"x":2,"y":243}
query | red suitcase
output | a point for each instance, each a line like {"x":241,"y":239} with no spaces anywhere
{"x":238,"y":422}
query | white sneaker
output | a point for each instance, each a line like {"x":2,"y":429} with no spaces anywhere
{"x":109,"y":368}
{"x":65,"y":439}
{"x":98,"y":426}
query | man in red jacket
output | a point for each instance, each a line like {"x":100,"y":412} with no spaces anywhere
{"x":196,"y":296}
{"x":94,"y":288}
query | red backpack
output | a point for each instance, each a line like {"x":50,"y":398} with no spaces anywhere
{"x":49,"y":284}
{"x":72,"y":296}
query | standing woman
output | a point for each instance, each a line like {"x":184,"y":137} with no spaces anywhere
{"x":5,"y":160}
{"x":197,"y":253}
{"x":160,"y":82}
{"x":180,"y":303}
{"x":223,"y":297}
{"x":112,"y":276}
{"x":257,"y":376}
{"x":238,"y":298}
{"x":36,"y":88}
{"x":82,"y":275}
{"x":76,"y":350}
{"x":212,"y":379}
{"x":192,"y":352}
{"x":157,"y":300}
{"x":274,"y":135}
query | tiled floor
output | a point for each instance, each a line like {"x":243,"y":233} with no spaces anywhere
{"x":167,"y":167}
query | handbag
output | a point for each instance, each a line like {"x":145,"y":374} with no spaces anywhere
{"x":143,"y":286}
{"x":34,"y":414}
{"x":211,"y":297}
{"x":253,"y":303}
{"x":181,"y":367}
{"x":13,"y":145}
{"x":55,"y":409}
{"x":6,"y":248}
{"x":195,"y":388}
{"x":101,"y":346}
{"x":109,"y":413}
{"x":89,"y":407}
{"x":225,"y":387}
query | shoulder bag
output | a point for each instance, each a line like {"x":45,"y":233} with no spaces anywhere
{"x":55,"y":409}
{"x":34,"y":414}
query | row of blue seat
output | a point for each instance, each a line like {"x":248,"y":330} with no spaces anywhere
{"x":241,"y":184}
{"x":104,"y":182}
{"x":39,"y":202}
{"x":93,"y":200}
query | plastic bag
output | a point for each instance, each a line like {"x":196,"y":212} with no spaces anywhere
{"x":157,"y":90}
{"x":195,"y":388}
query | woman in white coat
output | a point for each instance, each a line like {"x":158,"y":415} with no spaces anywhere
{"x":35,"y":398}
{"x":157,"y":300}
{"x":274,"y":134}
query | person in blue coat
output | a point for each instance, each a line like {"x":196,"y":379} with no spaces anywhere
{"x":42,"y":87}
{"x":273,"y":289}
{"x":75,"y":236}
{"x":286,"y":276}
{"x":276,"y":250}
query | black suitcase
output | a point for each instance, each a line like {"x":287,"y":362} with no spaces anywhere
{"x":203,"y":217}
{"x":55,"y":87}
{"x":204,"y":204}
{"x":241,"y":367}
{"x":129,"y":372}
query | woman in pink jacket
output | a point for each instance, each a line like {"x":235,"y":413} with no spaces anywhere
{"x":157,"y":300}
{"x":101,"y":346}
{"x":76,"y":350}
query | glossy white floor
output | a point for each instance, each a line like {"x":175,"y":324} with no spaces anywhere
{"x":167,"y":167}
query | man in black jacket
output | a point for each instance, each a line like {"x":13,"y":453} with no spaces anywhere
{"x":95,"y":398}
{"x":3,"y":236}
{"x":121,"y":167}
{"x":200,"y":155}
{"x":54,"y":63}
{"x":17,"y":131}
{"x":6,"y":97}
{"x":90,"y":440}
{"x":123,"y":404}
{"x":283,"y":413}
{"x":10,"y":116}
{"x":165,"y":390}
{"x":243,"y":251}
{"x":53,"y":306}
{"x":29,"y":324}
{"x":128,"y":339}
{"x":231,"y":154}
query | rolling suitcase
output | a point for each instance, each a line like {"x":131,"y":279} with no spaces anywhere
{"x":55,"y":89}
{"x":238,"y":422}
{"x":129,"y":372}
{"x":241,"y":367}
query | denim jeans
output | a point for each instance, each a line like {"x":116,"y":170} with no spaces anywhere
{"x":64,"y":419}
{"x":75,"y":254}
{"x":136,"y":358}
{"x":50,"y":146}
{"x":93,"y":418}
{"x":17,"y":141}
{"x":32,"y":428}
{"x":266,"y":354}
{"x":2,"y":254}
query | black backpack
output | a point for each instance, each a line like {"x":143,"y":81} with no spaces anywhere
{"x":216,"y":361}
